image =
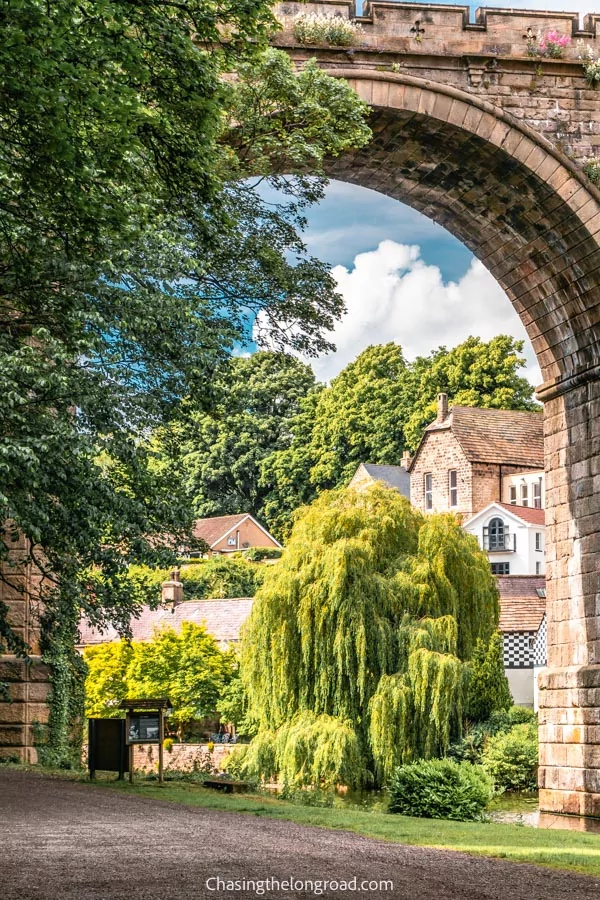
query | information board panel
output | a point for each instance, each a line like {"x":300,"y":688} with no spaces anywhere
{"x":143,"y":728}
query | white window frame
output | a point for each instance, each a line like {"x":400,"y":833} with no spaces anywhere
{"x":453,"y":488}
{"x":428,"y":490}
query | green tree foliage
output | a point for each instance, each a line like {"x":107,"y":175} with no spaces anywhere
{"x":134,"y":248}
{"x":218,"y":455}
{"x":377,"y":407}
{"x":488,"y":690}
{"x":474,"y":373}
{"x":369,"y":618}
{"x":186,"y":666}
{"x":215,"y":578}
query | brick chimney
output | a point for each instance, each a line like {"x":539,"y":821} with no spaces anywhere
{"x":442,"y":410}
{"x":406,"y":460}
{"x":172,"y":590}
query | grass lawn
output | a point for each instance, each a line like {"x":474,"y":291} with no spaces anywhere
{"x":578,"y":852}
{"x":574,"y":851}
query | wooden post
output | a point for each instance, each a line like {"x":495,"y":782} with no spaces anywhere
{"x":131,"y":746}
{"x":161,"y":737}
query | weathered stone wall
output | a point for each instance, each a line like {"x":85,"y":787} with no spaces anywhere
{"x":182,"y":757}
{"x":28,"y":682}
{"x":570,"y":687}
{"x":487,"y":59}
{"x":440,"y":452}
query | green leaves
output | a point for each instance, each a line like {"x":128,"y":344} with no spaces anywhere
{"x":369,"y":618}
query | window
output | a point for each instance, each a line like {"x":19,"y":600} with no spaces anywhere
{"x":537,"y":493}
{"x":538,"y":568}
{"x":429,"y":491}
{"x":538,"y":540}
{"x":524,"y":495}
{"x":541,"y":592}
{"x":231,"y":542}
{"x":513,"y":494}
{"x":496,"y":534}
{"x":500,"y":568}
{"x":453,"y":487}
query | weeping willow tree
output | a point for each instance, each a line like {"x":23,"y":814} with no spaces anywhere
{"x":366,"y":624}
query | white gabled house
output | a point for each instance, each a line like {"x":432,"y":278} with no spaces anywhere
{"x":512,"y":536}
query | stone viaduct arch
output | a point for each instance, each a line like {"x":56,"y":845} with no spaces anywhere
{"x":489,"y":142}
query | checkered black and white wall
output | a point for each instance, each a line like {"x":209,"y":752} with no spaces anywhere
{"x":539,"y":647}
{"x":519,"y":649}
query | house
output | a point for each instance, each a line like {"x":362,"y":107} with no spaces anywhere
{"x":471,"y":457}
{"x":396,"y":477}
{"x":523,"y":627}
{"x":230,"y":534}
{"x":512,"y":536}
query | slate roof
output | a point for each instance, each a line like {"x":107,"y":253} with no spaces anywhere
{"x":393,"y":476}
{"x":221,"y":618}
{"x":529,"y":514}
{"x":500,"y":436}
{"x":213,"y":529}
{"x":521,"y":608}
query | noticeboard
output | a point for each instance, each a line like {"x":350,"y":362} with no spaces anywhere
{"x":143,"y":728}
{"x":106,"y":746}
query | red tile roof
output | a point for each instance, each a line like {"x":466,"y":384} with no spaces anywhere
{"x":213,"y":529}
{"x":521,"y":608}
{"x":221,"y":618}
{"x":509,"y":437}
{"x":528,"y":514}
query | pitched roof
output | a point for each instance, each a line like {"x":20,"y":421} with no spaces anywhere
{"x":521,"y":607}
{"x":394,"y":476}
{"x":529,"y":514}
{"x":505,"y":436}
{"x":221,"y":618}
{"x":213,"y":529}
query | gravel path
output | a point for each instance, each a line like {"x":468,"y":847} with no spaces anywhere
{"x":65,"y":841}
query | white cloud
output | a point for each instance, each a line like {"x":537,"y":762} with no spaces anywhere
{"x":392,"y":295}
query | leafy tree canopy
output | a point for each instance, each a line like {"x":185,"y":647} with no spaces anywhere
{"x":135,"y":248}
{"x":370,"y":618}
{"x":186,"y":666}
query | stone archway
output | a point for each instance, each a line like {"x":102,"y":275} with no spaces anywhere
{"x":527,"y":212}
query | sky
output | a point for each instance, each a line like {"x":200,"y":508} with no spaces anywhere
{"x":404,"y":279}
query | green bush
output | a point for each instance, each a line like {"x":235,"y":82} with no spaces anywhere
{"x":511,"y":759}
{"x":256,"y":554}
{"x":471,"y":746}
{"x":440,"y":789}
{"x":168,"y":744}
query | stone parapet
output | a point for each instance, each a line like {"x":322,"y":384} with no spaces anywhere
{"x":446,"y":29}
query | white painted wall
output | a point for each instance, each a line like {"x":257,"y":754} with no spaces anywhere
{"x":521,"y":683}
{"x":524,"y":558}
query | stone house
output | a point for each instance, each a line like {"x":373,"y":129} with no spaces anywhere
{"x":230,"y":534}
{"x":396,"y":477}
{"x":468,"y":456}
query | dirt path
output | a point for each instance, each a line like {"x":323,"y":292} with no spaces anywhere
{"x":67,"y":841}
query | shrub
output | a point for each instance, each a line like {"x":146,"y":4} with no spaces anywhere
{"x":440,"y":789}
{"x":488,"y":689}
{"x":472,"y":745}
{"x":257,"y":554}
{"x":519,"y":715}
{"x":168,"y":744}
{"x":317,"y":28}
{"x":591,"y":166}
{"x":511,"y":759}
